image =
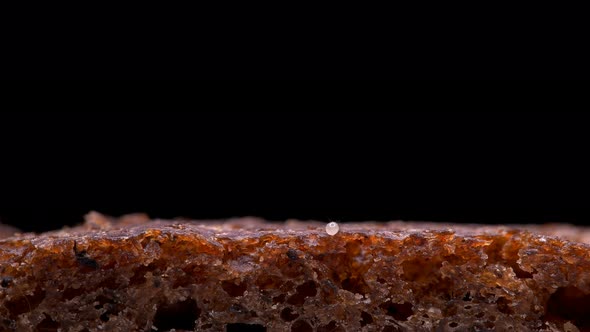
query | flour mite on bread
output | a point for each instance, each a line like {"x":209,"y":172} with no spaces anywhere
{"x":332,"y":228}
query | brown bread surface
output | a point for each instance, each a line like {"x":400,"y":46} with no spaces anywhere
{"x":136,"y":274}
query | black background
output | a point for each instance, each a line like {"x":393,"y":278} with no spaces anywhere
{"x":488,"y":167}
{"x":247,"y":41}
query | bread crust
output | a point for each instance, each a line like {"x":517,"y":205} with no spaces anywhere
{"x":136,"y":274}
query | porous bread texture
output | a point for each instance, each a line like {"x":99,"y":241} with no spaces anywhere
{"x":133,"y":274}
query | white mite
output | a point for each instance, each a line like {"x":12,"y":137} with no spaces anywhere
{"x":332,"y":228}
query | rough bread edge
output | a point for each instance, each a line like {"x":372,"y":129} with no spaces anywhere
{"x":137,"y":274}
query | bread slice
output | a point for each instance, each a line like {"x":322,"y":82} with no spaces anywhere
{"x":136,"y":274}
